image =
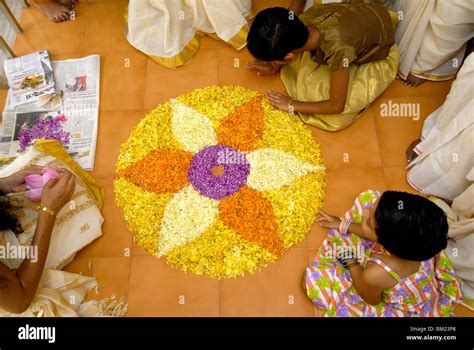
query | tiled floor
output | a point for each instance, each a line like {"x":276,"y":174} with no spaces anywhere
{"x":369,"y":154}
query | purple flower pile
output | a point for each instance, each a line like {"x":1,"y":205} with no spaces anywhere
{"x":236,"y":170}
{"x":46,"y":129}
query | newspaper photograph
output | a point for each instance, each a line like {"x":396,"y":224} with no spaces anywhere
{"x":74,"y":123}
{"x":29,"y":77}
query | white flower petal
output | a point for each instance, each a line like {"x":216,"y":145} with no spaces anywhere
{"x":192,"y":129}
{"x":271,"y":169}
{"x":186,"y":216}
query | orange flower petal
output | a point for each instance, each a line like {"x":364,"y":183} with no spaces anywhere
{"x":243,"y":128}
{"x":160,"y":171}
{"x":251,"y":216}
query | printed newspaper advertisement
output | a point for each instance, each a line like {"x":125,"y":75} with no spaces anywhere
{"x":79,"y":81}
{"x":29,"y":77}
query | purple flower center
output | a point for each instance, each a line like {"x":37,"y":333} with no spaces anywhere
{"x":218,"y":171}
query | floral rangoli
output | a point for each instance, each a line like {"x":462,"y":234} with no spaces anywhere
{"x":219,"y":181}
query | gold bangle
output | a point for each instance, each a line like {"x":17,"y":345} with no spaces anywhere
{"x":46,"y":210}
{"x":291,"y":109}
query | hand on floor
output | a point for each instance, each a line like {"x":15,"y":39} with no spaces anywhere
{"x":278,"y":100}
{"x":262,"y":68}
{"x":328,"y":221}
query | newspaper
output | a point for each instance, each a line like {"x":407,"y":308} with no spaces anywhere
{"x":79,"y":80}
{"x":29,"y":77}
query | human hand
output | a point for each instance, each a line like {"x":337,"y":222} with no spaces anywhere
{"x":328,"y":221}
{"x":262,"y":68}
{"x":16,"y":181}
{"x":57,"y":192}
{"x":278,"y":100}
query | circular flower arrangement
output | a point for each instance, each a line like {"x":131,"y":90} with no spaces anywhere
{"x":219,"y":181}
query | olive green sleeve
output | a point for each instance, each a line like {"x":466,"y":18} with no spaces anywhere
{"x":340,"y":57}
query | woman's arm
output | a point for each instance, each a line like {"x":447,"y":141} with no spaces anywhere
{"x":335,"y":104}
{"x":337,"y":100}
{"x":17,"y":290}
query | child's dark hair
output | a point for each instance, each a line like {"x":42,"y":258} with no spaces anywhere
{"x":410,"y":227}
{"x":8,"y":220}
{"x":274,"y":33}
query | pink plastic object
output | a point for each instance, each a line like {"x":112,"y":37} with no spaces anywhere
{"x":35,"y":183}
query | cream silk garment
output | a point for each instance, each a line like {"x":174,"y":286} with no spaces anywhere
{"x":461,"y":247}
{"x":445,"y":169}
{"x":432,"y":36}
{"x":59,"y":293}
{"x":168,"y":30}
{"x":446,"y":152}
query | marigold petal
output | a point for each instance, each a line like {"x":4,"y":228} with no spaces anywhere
{"x":160,"y":171}
{"x":243,"y":128}
{"x":251,"y":216}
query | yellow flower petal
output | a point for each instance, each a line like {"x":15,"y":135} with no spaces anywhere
{"x":192,"y":129}
{"x":187,"y":215}
{"x":220,"y":252}
{"x":271,"y":168}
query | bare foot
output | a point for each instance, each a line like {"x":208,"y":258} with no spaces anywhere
{"x":413,"y":81}
{"x":410,"y":152}
{"x":69,"y":3}
{"x":55,"y":11}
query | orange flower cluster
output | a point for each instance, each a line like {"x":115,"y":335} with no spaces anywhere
{"x":251,"y":215}
{"x":160,"y":171}
{"x":248,"y":119}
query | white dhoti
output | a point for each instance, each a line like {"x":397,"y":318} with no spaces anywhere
{"x":432,"y":36}
{"x":169,"y":30}
{"x":446,"y":152}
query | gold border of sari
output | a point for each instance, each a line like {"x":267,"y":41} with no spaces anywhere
{"x":54,"y":149}
{"x":175,"y":61}
{"x":182,"y":58}
{"x":238,"y":41}
{"x":433,"y":77}
{"x":430,"y":77}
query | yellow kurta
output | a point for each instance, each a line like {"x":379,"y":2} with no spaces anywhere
{"x":359,"y":36}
